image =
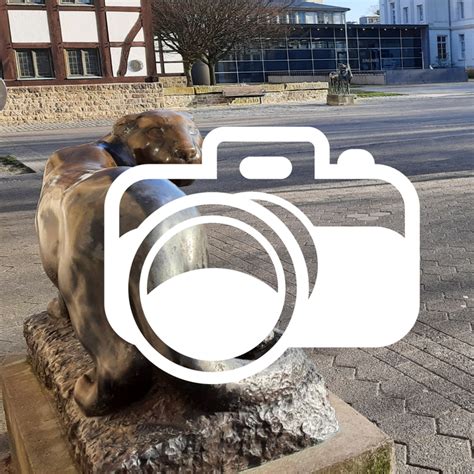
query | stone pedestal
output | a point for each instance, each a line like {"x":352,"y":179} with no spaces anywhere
{"x":336,"y":99}
{"x":175,"y":429}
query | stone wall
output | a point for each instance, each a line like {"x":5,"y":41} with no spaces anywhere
{"x":73,"y":103}
{"x":173,"y":81}
{"x":185,"y":97}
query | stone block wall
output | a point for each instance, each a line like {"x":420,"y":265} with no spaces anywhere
{"x":74,"y":103}
{"x":185,"y":97}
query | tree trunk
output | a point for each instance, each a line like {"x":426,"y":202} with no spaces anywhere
{"x":212,"y":72}
{"x":187,"y":70}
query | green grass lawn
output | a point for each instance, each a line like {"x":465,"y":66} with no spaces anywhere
{"x":363,"y":93}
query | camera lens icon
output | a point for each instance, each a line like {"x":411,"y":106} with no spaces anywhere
{"x":225,"y":313}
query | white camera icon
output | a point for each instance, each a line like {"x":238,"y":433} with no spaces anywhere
{"x":367,"y":292}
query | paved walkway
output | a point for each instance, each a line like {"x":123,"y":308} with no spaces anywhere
{"x":420,"y":390}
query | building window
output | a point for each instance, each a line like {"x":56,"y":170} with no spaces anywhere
{"x":34,"y":64}
{"x":76,"y":2}
{"x":405,"y":14}
{"x":442,"y":47}
{"x":420,"y":13}
{"x":460,"y":10}
{"x":83,"y":62}
{"x":393,"y":13}
{"x":462,"y":47}
{"x":338,"y":19}
{"x":27,"y":2}
{"x":311,"y":18}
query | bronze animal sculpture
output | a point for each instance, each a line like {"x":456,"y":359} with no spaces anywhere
{"x":70,"y":221}
{"x":340,"y":81}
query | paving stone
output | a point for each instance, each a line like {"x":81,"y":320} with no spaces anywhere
{"x":403,"y":387}
{"x":429,"y":403}
{"x":376,"y":371}
{"x":380,"y":407}
{"x":352,"y":357}
{"x":458,"y":329}
{"x":451,"y":357}
{"x":447,"y":305}
{"x":466,"y":314}
{"x":404,"y":427}
{"x":463,"y":398}
{"x":439,"y":452}
{"x":389,"y":356}
{"x":415,"y":371}
{"x":458,"y":423}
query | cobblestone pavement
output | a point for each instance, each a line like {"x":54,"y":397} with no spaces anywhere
{"x":420,"y":390}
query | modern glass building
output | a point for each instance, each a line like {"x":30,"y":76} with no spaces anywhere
{"x":316,"y":42}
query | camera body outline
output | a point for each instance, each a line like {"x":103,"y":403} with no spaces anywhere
{"x":367,"y":292}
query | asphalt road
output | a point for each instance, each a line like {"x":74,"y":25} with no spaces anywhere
{"x":418,"y":135}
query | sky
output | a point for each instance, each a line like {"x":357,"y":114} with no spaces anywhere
{"x":358,"y":7}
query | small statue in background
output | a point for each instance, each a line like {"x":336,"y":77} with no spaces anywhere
{"x":340,"y":82}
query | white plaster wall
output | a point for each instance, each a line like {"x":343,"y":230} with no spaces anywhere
{"x":78,"y":27}
{"x":410,"y":4}
{"x":468,"y":20}
{"x":463,"y":26}
{"x":468,"y":61}
{"x":120,"y":23}
{"x":29,"y":26}
{"x":174,"y":68}
{"x":122,"y":3}
{"x":172,"y":57}
{"x":137,"y":53}
{"x":436,"y":12}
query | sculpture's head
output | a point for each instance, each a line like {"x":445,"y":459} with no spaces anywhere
{"x":160,"y":136}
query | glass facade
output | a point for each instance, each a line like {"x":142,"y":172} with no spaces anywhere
{"x":317,"y":49}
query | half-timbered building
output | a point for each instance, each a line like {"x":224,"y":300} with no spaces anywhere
{"x":80,"y":42}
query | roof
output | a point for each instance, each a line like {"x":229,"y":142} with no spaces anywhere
{"x":311,"y":6}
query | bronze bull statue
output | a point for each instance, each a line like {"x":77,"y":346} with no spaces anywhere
{"x":70,"y":227}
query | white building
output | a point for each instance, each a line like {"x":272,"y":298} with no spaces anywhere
{"x":451,"y":25}
{"x":369,"y":20}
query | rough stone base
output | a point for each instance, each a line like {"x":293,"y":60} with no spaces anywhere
{"x":341,"y":99}
{"x":40,"y":446}
{"x":179,"y":427}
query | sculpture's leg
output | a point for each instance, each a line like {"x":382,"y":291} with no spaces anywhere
{"x":121,"y":374}
{"x":104,"y":389}
{"x":57,"y":308}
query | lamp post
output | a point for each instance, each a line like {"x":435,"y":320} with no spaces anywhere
{"x":347,"y":39}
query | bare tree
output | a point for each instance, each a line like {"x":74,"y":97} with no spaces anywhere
{"x":208,"y":29}
{"x":374,"y":10}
